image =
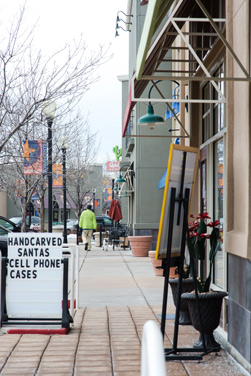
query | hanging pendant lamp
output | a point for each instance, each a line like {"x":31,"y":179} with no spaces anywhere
{"x":151,"y":119}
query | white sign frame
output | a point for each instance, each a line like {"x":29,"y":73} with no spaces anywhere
{"x":34,"y":275}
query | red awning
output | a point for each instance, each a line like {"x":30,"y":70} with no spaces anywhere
{"x":128,"y":110}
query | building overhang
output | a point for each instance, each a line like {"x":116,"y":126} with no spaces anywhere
{"x":164,"y":22}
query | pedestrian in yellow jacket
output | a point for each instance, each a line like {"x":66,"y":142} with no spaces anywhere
{"x":87,"y":223}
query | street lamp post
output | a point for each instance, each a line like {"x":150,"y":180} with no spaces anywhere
{"x":113,"y":177}
{"x":64,"y":191}
{"x":49,"y":110}
{"x":93,"y":199}
{"x":64,"y":146}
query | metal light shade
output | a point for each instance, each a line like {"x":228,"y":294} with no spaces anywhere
{"x":120,"y":180}
{"x":150,"y":118}
{"x":176,"y":107}
{"x":49,"y":110}
{"x":168,"y":113}
{"x":115,"y":189}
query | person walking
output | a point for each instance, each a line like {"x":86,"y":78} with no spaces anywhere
{"x":87,"y":223}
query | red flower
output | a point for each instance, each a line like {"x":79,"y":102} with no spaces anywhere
{"x":207,"y":236}
{"x":203,"y":216}
{"x":193,"y":226}
{"x":195,"y":234}
{"x":214,"y":224}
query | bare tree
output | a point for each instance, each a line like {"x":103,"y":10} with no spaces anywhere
{"x":28,"y":79}
{"x":80,"y":156}
{"x":81,"y":176}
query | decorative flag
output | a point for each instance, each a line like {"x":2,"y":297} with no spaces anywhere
{"x":35,"y":157}
{"x":108,"y":194}
{"x":20,"y":188}
{"x":97,"y":203}
{"x":57,"y":175}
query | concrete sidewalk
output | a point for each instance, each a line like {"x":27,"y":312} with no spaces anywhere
{"x":118,"y":294}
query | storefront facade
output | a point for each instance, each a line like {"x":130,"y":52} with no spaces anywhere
{"x":205,"y":47}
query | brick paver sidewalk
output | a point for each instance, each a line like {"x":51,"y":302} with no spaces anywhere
{"x":106,"y":337}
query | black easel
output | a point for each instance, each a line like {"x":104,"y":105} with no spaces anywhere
{"x":64,"y":321}
{"x":175,"y":353}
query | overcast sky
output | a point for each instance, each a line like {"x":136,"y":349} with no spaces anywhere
{"x":59,"y":21}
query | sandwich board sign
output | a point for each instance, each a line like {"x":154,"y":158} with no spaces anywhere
{"x":181,"y":175}
{"x":34,"y":275}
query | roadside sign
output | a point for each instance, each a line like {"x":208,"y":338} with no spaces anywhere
{"x":35,"y":274}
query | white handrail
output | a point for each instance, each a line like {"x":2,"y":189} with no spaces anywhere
{"x":152,"y":351}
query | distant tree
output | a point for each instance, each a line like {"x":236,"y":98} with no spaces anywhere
{"x":81,"y":176}
{"x":80,"y":155}
{"x":28,"y":79}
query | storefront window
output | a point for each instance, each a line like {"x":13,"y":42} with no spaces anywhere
{"x":213,"y":127}
{"x":213,"y":115}
{"x":219,"y":108}
{"x":218,"y":206}
{"x":203,"y":187}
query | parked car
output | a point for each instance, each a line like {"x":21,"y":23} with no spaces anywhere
{"x":71,"y":225}
{"x":104,"y":221}
{"x":6,"y":226}
{"x":35,"y":222}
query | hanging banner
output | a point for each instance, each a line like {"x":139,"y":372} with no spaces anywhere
{"x":20,"y":188}
{"x":35,"y":157}
{"x":35,"y":274}
{"x":107,"y":194}
{"x":57,"y":175}
{"x":97,"y":203}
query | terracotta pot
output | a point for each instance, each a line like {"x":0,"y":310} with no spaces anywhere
{"x":157,"y":272}
{"x":156,"y":263}
{"x":140,"y":245}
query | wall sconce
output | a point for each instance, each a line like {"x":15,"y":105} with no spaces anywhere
{"x":124,"y":183}
{"x":119,"y":27}
{"x":175,"y":105}
{"x":127,"y":15}
{"x":120,"y":180}
{"x":120,"y":19}
{"x":150,"y":119}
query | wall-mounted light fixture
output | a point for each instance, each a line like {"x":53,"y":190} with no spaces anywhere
{"x":118,"y":19}
{"x":175,"y":106}
{"x":124,"y":183}
{"x":119,"y":27}
{"x":150,"y":119}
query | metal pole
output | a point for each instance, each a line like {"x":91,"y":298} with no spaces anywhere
{"x":29,"y":223}
{"x":93,"y":202}
{"x":50,"y":121}
{"x":64,"y":193}
{"x":113,"y":188}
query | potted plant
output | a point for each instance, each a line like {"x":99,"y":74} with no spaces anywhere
{"x":140,"y":245}
{"x":209,"y":301}
{"x":187,"y":286}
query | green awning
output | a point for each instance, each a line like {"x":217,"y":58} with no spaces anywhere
{"x":156,"y":11}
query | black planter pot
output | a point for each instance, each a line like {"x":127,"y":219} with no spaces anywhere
{"x":210,"y":308}
{"x":187,"y":286}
